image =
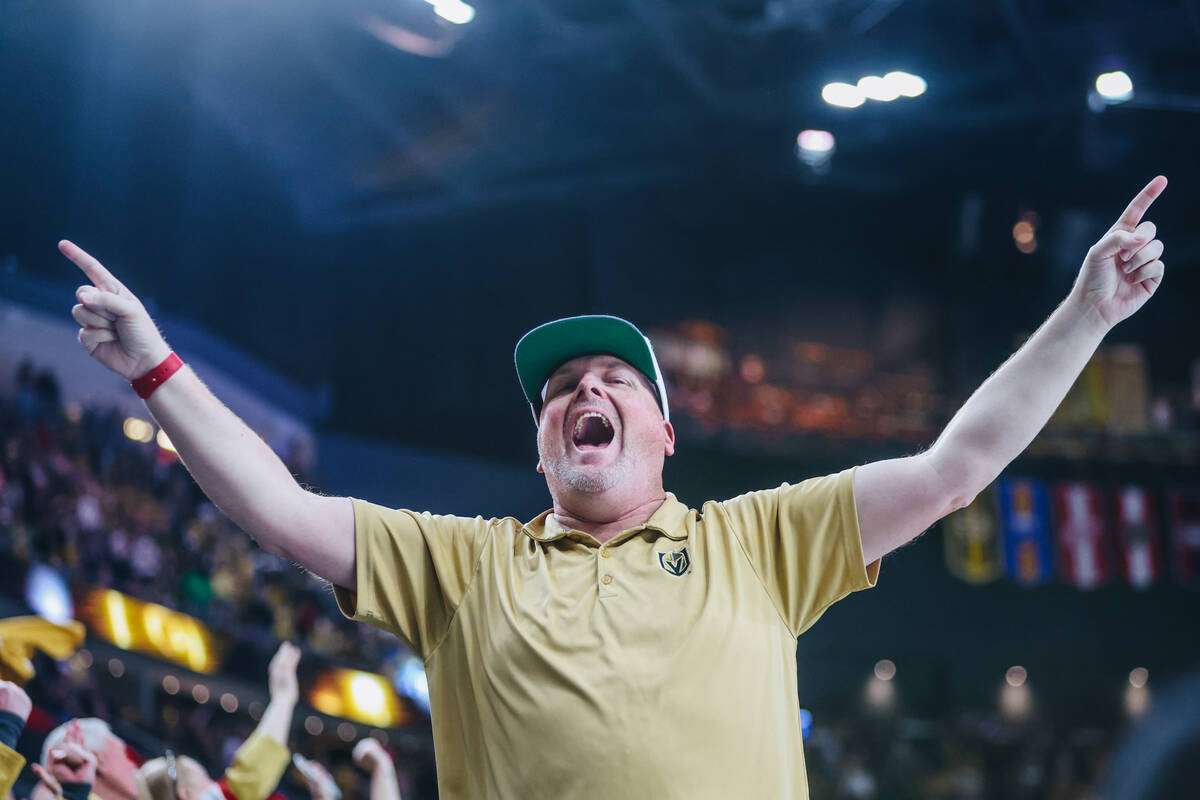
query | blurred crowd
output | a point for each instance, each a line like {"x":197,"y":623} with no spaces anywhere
{"x":86,"y":757}
{"x":79,"y":495}
{"x":67,"y":474}
{"x":969,"y":756}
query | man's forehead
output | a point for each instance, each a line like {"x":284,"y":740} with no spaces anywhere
{"x":591,"y":361}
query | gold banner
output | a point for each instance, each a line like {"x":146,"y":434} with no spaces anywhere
{"x":133,"y":624}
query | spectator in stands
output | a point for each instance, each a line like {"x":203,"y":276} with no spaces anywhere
{"x":115,"y":773}
{"x":15,"y":706}
{"x":70,"y":771}
{"x":259,"y":763}
{"x":370,"y":755}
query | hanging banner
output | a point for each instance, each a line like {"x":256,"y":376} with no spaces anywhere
{"x":971,"y":541}
{"x":1083,"y":555}
{"x":1025,"y":522}
{"x":1184,"y":512}
{"x":1138,"y":541}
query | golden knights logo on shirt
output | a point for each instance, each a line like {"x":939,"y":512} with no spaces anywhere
{"x":676,"y":563}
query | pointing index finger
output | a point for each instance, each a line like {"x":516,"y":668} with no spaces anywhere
{"x":1137,"y":207}
{"x":95,"y":271}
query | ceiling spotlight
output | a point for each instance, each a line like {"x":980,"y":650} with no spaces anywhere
{"x":891,"y":86}
{"x":815,"y":148}
{"x":1114,"y":87}
{"x":905,"y":84}
{"x":844,"y":95}
{"x":874,"y":87}
{"x":815,"y":141}
{"x":1015,"y":676}
{"x":455,"y":11}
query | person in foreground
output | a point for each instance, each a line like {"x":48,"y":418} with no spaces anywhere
{"x":620,"y":644}
{"x":15,"y":706}
{"x":258,"y":765}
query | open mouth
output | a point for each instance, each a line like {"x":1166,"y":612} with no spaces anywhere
{"x":592,"y":431}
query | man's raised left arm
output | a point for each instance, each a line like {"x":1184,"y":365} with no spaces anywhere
{"x":899,"y":498}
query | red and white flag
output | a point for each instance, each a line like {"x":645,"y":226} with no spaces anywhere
{"x":1083,"y":557}
{"x":1185,"y":529}
{"x":1138,"y":536}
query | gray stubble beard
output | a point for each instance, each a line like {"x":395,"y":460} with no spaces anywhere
{"x":588,"y":480}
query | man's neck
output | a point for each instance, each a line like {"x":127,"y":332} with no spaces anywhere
{"x":602,"y":520}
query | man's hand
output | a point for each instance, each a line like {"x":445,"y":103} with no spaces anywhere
{"x":370,"y":755}
{"x":70,"y":762}
{"x":1123,"y":269}
{"x":282,"y":679}
{"x":14,"y":700}
{"x":116,"y":328}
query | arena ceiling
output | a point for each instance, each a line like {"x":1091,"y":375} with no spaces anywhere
{"x":366,"y":196}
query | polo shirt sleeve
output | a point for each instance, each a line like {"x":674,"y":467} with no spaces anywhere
{"x":804,"y":543}
{"x":413,"y":570}
{"x":258,"y":766}
{"x":11,"y":763}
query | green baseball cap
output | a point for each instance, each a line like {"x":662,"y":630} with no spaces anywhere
{"x":546,"y":347}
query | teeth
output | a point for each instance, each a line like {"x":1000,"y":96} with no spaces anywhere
{"x":597,"y":415}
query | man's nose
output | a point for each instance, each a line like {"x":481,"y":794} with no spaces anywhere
{"x":589,"y":385}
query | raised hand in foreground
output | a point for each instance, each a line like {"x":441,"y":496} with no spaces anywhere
{"x":116,"y":329}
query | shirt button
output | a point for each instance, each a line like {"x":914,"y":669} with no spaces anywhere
{"x":606,"y":580}
{"x":605,"y":554}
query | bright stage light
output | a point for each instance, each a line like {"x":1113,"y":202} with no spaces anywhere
{"x":46,"y":593}
{"x":885,"y":669}
{"x":455,"y":11}
{"x":412,"y":682}
{"x":1114,"y":87}
{"x":138,"y":429}
{"x":815,"y":148}
{"x":361,"y":696}
{"x":874,"y":87}
{"x":815,"y":141}
{"x":366,"y":693}
{"x":843,"y":95}
{"x":1016,"y":676}
{"x":906,"y":84}
{"x":891,"y":86}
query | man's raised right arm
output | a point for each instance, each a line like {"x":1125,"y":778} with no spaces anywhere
{"x":229,"y":461}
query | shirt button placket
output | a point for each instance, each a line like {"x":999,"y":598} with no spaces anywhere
{"x":604,"y":571}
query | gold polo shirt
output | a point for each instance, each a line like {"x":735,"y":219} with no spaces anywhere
{"x":11,"y":763}
{"x":660,"y":664}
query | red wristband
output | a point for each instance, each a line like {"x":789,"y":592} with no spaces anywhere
{"x":145,"y":385}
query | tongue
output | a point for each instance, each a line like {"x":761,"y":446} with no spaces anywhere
{"x":594,"y":433}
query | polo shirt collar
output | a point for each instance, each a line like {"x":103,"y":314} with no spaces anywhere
{"x":670,"y":519}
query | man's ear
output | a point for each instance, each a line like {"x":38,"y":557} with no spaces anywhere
{"x":670,"y":442}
